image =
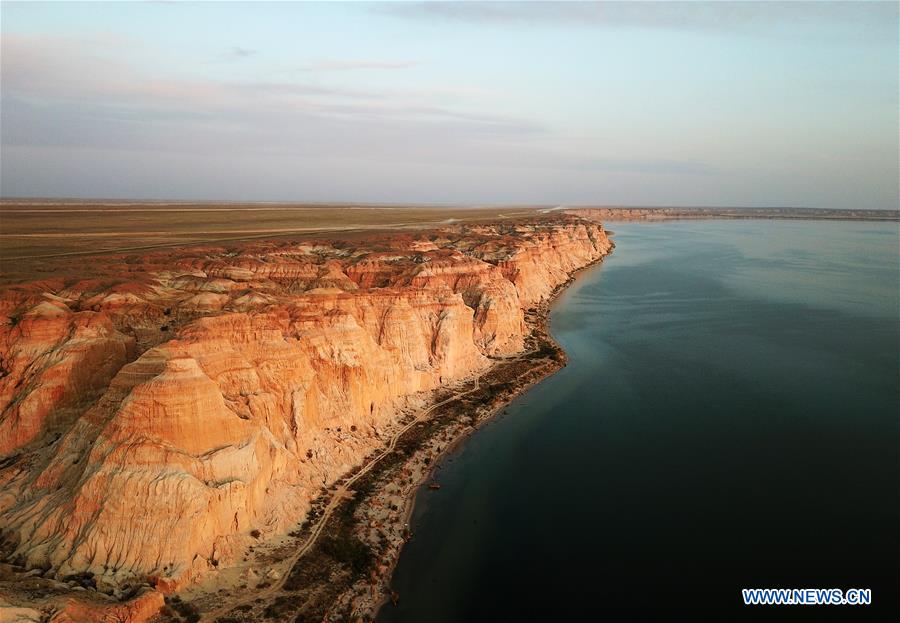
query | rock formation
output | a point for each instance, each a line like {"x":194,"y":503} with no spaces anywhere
{"x":154,"y":415}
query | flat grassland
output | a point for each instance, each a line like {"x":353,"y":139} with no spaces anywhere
{"x":42,"y":238}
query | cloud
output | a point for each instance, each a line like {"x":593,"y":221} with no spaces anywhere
{"x":350,"y":64}
{"x":858,"y":20}
{"x":53,"y":93}
{"x":83,"y":106}
{"x":236,"y":54}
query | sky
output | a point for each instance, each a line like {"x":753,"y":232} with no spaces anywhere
{"x":702,"y":104}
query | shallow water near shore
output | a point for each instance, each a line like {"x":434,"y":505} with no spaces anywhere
{"x":728,"y":419}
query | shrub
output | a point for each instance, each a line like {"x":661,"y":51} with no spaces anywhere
{"x":349,"y":551}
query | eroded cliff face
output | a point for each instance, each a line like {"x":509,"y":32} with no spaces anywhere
{"x":156,"y":415}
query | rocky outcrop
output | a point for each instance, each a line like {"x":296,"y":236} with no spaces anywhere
{"x":53,"y":362}
{"x":550,"y":257}
{"x":140,"y":608}
{"x":155,"y":415}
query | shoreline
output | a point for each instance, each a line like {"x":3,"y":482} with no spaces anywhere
{"x":540,"y":329}
{"x":334,"y":559}
{"x":654,"y":214}
{"x":340,"y":568}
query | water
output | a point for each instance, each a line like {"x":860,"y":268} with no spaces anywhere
{"x":729,"y":419}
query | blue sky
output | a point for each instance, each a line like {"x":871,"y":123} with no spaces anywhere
{"x":564,"y":103}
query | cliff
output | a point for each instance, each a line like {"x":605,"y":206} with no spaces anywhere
{"x":157,"y":414}
{"x":661,"y":214}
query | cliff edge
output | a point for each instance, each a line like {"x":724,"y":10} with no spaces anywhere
{"x":159,"y":418}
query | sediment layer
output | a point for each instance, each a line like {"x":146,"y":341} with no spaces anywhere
{"x":158,"y":419}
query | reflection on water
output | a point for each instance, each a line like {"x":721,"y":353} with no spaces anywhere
{"x":728,"y":419}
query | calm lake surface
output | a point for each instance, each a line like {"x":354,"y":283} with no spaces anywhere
{"x":729,"y":418}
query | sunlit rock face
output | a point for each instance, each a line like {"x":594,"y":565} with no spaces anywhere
{"x":156,"y":414}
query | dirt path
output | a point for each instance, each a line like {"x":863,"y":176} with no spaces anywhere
{"x":340,"y":494}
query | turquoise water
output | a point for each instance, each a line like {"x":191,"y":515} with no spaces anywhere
{"x":728,"y":419}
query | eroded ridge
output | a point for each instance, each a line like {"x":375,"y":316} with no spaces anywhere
{"x":161,"y":417}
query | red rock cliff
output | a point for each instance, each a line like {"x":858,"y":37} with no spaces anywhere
{"x":154,"y":416}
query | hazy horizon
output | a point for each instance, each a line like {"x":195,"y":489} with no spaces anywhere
{"x":612,"y":104}
{"x":410,"y":204}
